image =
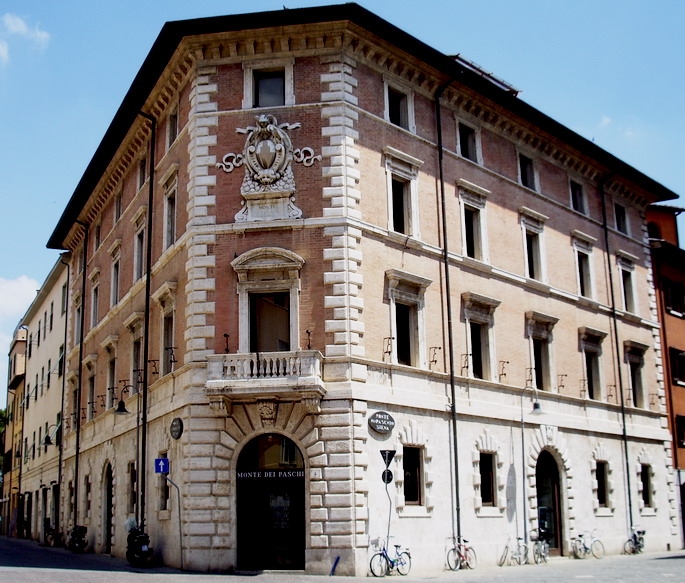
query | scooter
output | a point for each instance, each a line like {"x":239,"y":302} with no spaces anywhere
{"x":138,"y":549}
{"x":77,"y":539}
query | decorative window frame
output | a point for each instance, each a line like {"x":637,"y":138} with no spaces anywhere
{"x":249,"y":69}
{"x":533,"y":160}
{"x":486,"y":443}
{"x":476,"y":129}
{"x":408,"y":91}
{"x":139,"y":222}
{"x":411,"y":435}
{"x":406,"y":167}
{"x":584,"y":211}
{"x":534,"y":222}
{"x":481,"y":310}
{"x":115,"y":253}
{"x":262,"y":270}
{"x":539,"y":325}
{"x":399,"y":285}
{"x":645,"y":459}
{"x":590,"y":340}
{"x":474,"y":196}
{"x":165,"y":298}
{"x":169,"y":185}
{"x":626,"y":262}
{"x":173,"y":126}
{"x":634,"y":352}
{"x":601,"y":454}
{"x":584,"y":243}
{"x":109,"y":345}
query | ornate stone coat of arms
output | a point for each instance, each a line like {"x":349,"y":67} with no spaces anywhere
{"x":269,"y":185}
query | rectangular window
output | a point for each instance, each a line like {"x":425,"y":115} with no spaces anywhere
{"x":628,"y":292}
{"x":115,"y":282}
{"x":269,"y":88}
{"x":621,"y":218}
{"x":479,"y":340}
{"x":680,"y":430}
{"x":398,"y":108}
{"x":592,"y":374}
{"x":91,"y":397}
{"x":674,"y":296}
{"x":117,"y":207}
{"x":584,"y":280}
{"x":172,"y":128}
{"x":86,"y":495}
{"x":170,"y":219}
{"x":77,"y":324}
{"x":677,"y":362}
{"x":63,"y":301}
{"x":52,"y":314}
{"x":602,"y":477}
{"x":94,"y":305}
{"x":467,"y":142}
{"x":527,"y":171}
{"x":646,"y":483}
{"x":111,"y":382}
{"x":400,"y":206}
{"x":411,"y":466}
{"x":45,"y":324}
{"x":142,"y":172}
{"x":168,"y":339}
{"x":541,"y":363}
{"x":472,"y":233}
{"x":577,"y":197}
{"x":405,"y":326}
{"x":487,"y":478}
{"x":635,"y":360}
{"x":96,"y":237}
{"x":533,"y":270}
{"x":136,"y":363}
{"x":139,"y":257}
{"x":38,"y":334}
{"x":270,"y":322}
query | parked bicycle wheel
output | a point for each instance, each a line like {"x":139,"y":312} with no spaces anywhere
{"x":453,"y":559}
{"x":403,"y":563}
{"x":503,"y":557}
{"x":522,"y":556}
{"x":537,"y":553}
{"x":629,"y":548}
{"x":471,"y":559}
{"x":597,"y":549}
{"x":579,"y":550}
{"x":379,"y":565}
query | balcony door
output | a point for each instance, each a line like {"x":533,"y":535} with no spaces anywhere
{"x":270,"y":322}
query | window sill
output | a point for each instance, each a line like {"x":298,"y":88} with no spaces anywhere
{"x":604,"y":511}
{"x":414,"y":512}
{"x":489,"y":512}
{"x":648,"y":511}
{"x":163,"y":514}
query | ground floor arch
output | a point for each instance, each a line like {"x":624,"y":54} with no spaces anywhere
{"x":548,"y":490}
{"x":270,"y":503}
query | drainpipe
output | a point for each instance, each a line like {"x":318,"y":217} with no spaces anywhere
{"x":146,"y":337}
{"x":86,"y":228}
{"x":448,"y":292}
{"x":20,"y":497}
{"x":64,"y":388}
{"x":614,"y":319}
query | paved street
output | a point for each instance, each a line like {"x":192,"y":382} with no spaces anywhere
{"x":26,"y":562}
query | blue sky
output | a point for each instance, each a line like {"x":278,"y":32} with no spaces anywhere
{"x":611,"y":70}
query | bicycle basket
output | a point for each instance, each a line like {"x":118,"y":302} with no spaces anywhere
{"x":534,"y":534}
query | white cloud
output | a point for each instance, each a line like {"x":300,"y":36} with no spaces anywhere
{"x":4,"y":52}
{"x":605,"y":122}
{"x":16,"y":25}
{"x":16,"y":296}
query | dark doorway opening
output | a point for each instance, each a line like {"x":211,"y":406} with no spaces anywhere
{"x":549,"y":506}
{"x":109,"y":509}
{"x":270,"y":322}
{"x":270,"y":490}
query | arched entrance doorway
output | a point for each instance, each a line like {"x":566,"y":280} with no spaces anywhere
{"x":270,"y":489}
{"x":108,"y":508}
{"x":549,"y":503}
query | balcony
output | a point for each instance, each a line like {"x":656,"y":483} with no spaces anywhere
{"x":265,"y":376}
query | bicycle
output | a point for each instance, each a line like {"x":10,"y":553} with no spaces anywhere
{"x":587,"y":543}
{"x":636,"y":543}
{"x":382,"y":563}
{"x":515,"y":551}
{"x":461,"y":554}
{"x":540,"y":547}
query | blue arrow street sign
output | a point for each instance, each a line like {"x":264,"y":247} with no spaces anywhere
{"x":162,"y":465}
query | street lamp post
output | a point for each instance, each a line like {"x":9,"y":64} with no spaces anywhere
{"x":537,"y":410}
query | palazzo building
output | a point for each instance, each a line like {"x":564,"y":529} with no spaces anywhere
{"x":310,"y":248}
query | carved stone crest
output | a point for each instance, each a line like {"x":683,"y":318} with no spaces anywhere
{"x":269,"y":185}
{"x":267,"y":412}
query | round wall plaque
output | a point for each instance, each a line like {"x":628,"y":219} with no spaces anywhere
{"x":381,"y":422}
{"x":176,"y":427}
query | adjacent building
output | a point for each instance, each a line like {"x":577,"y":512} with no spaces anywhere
{"x":310,"y":249}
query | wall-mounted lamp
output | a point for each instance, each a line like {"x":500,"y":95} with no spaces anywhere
{"x":121,"y":406}
{"x":56,"y":434}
